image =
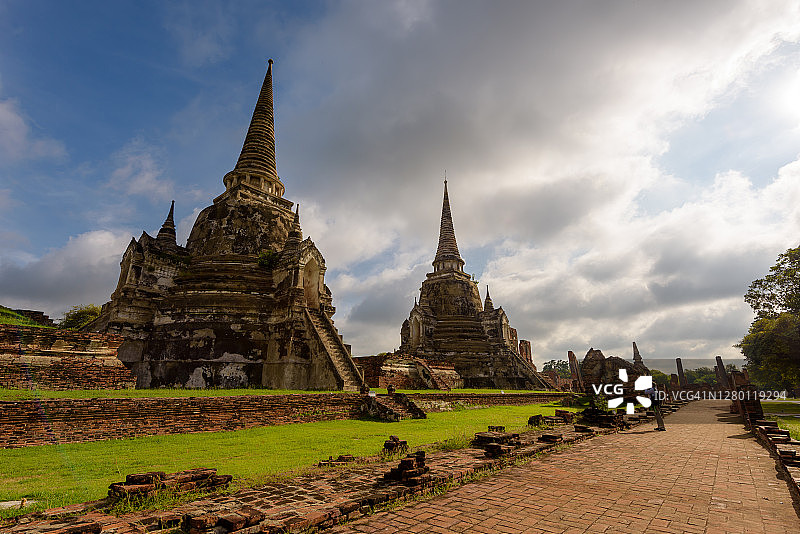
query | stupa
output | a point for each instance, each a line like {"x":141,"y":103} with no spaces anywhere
{"x":244,"y":303}
{"x":449,"y":324}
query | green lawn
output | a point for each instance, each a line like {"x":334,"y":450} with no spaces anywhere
{"x":25,"y":394}
{"x":8,"y":316}
{"x":56,"y":475}
{"x":792,"y":424}
{"x":780,"y":407}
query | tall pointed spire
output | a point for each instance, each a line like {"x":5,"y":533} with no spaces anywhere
{"x":295,"y":232}
{"x":637,"y":358}
{"x":296,"y":223}
{"x":447,"y":255}
{"x":166,"y":235}
{"x":258,"y":151}
{"x":488,"y":305}
{"x":169,"y":222}
{"x":255,"y":168}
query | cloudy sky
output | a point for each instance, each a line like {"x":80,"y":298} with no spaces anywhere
{"x":618,"y":171}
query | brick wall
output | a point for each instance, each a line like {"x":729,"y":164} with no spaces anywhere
{"x":387,"y":369}
{"x":28,"y":423}
{"x":63,"y":374}
{"x":402,"y":372}
{"x":42,"y":422}
{"x":36,"y":316}
{"x":44,"y":341}
{"x":402,"y":375}
{"x":45,"y":358}
{"x":435,"y":402}
{"x":371,"y":367}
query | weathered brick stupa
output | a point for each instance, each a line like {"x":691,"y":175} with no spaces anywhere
{"x":450,"y":325}
{"x":245,"y":302}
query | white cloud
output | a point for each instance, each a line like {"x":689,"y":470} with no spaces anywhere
{"x":203,"y":31}
{"x":138,"y":172}
{"x":18,"y":142}
{"x":346,"y":236}
{"x":184,"y":226}
{"x":549,"y":119}
{"x":85,"y":270}
{"x":552,"y":120}
{"x":674,"y":280}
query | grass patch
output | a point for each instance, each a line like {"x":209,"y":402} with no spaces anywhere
{"x":57,"y":475}
{"x":791,"y":424}
{"x":163,"y":500}
{"x":8,"y":316}
{"x":780,"y":407}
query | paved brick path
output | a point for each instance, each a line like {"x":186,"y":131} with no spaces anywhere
{"x":705,"y":474}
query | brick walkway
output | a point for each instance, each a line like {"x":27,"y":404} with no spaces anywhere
{"x":705,"y":474}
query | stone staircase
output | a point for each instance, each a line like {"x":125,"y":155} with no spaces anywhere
{"x":402,"y":405}
{"x":391,"y":408}
{"x":336,"y":351}
{"x":539,"y":381}
{"x":460,"y":334}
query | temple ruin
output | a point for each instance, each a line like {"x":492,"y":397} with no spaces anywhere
{"x":244,"y":303}
{"x":449,"y":324}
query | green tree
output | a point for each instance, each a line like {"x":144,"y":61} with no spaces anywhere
{"x":772,"y":350}
{"x":772,"y":344}
{"x":79,"y":316}
{"x":701,"y":375}
{"x":779,"y":291}
{"x":662,"y":379}
{"x":561,"y":367}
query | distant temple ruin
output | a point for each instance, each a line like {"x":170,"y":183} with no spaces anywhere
{"x":244,"y":303}
{"x":449,"y":325}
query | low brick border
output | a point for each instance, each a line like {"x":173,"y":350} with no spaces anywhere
{"x":49,"y":421}
{"x":791,"y":473}
{"x":201,"y":517}
{"x":432,"y":402}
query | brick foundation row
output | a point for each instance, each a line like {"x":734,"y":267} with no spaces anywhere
{"x":62,"y":374}
{"x":437,"y":402}
{"x":43,"y":422}
{"x":47,"y":358}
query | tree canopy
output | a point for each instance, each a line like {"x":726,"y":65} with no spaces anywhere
{"x":701,"y":375}
{"x":772,"y":344}
{"x":561,"y":367}
{"x":772,"y":350}
{"x":779,"y":291}
{"x":659,"y":377}
{"x":79,"y":316}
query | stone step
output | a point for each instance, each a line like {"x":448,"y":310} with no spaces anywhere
{"x":338,"y":357}
{"x":396,"y":407}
